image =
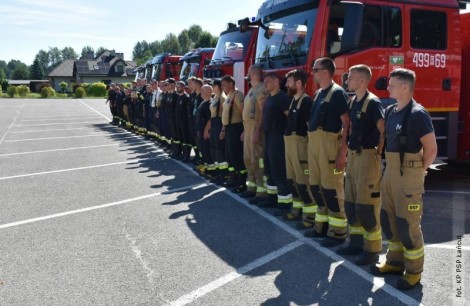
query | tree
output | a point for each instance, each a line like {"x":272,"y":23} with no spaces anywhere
{"x":156,"y":47}
{"x":55,"y":56}
{"x":206,"y":40}
{"x":3,"y":74}
{"x":43,"y":58}
{"x":11,"y":66}
{"x":194,"y":32}
{"x":139,"y":50}
{"x":36,"y":71}
{"x":68,"y":53}
{"x":100,"y":50}
{"x":21,"y":72}
{"x":171,"y":44}
{"x":185,"y":42}
{"x":86,"y":50}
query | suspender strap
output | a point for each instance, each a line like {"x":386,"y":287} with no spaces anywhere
{"x":327,"y":99}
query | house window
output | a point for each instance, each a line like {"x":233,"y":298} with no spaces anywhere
{"x":119,"y":68}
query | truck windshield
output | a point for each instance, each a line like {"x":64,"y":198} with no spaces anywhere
{"x":190,"y":68}
{"x":232,"y":46}
{"x":285,"y":41}
{"x":157,"y":68}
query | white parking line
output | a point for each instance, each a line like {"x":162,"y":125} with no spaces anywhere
{"x":447,"y":247}
{"x":65,"y":116}
{"x":81,"y":210}
{"x":23,"y":125}
{"x":66,"y":137}
{"x":51,"y":130}
{"x":56,"y":119}
{"x":192,"y":296}
{"x":12,"y":124}
{"x":57,"y":150}
{"x":130,"y":161}
{"x":378,"y":283}
{"x":94,"y":110}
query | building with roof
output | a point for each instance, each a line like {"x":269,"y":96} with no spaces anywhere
{"x":108,"y":67}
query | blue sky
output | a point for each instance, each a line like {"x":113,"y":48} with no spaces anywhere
{"x":30,"y":25}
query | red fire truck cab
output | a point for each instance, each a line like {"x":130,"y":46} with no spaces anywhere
{"x":194,"y":61}
{"x":430,"y":37}
{"x":160,"y":67}
{"x":233,"y":55}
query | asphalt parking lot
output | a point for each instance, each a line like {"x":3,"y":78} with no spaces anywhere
{"x":91,"y":214}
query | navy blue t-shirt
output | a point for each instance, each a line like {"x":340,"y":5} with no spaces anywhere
{"x":365,"y":124}
{"x":274,"y":118}
{"x":332,"y":111}
{"x":419,"y":124}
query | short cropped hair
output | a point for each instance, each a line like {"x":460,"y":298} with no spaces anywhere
{"x":272,"y":75}
{"x":327,"y":64}
{"x":198,"y":81}
{"x":228,"y":78}
{"x":361,"y":68}
{"x":406,"y":75}
{"x":298,"y":75}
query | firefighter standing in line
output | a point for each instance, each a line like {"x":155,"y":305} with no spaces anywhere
{"x":252,"y":135}
{"x":232,"y":131}
{"x":274,"y":124}
{"x":327,"y":149}
{"x":112,"y":102}
{"x":182,"y":104}
{"x":363,"y":170}
{"x":410,"y":150}
{"x":161,"y":114}
{"x":197,"y":99}
{"x":203,"y":123}
{"x":218,"y":145}
{"x":170,"y":104}
{"x":303,"y":206}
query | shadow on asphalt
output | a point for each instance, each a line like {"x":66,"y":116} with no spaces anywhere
{"x":209,"y":215}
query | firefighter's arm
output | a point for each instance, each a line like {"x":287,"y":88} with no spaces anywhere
{"x":207,"y":129}
{"x":259,"y":124}
{"x":341,"y":158}
{"x":429,"y":149}
{"x":381,"y":128}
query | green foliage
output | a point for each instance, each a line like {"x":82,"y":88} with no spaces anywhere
{"x":100,"y":50}
{"x":4,"y":84}
{"x":46,"y":92}
{"x":63,"y":86}
{"x":80,"y":92}
{"x":12,"y":91}
{"x":97,"y":89}
{"x":85,"y":51}
{"x":23,"y":90}
{"x":21,"y":72}
{"x":68,"y":53}
{"x":36,"y":71}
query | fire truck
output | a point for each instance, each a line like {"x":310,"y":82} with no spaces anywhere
{"x":233,"y":55}
{"x":194,"y":61}
{"x":431,"y":37}
{"x":160,"y":67}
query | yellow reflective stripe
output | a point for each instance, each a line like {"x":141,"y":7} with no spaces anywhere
{"x":377,"y":235}
{"x":211,"y":167}
{"x":297,"y":204}
{"x":321,"y":218}
{"x":310,"y":209}
{"x":395,"y":246}
{"x":231,"y":169}
{"x":414,"y":254}
{"x":271,"y":189}
{"x":261,"y":163}
{"x":243,"y":171}
{"x":260,"y":189}
{"x":250,"y":184}
{"x":338,"y":222}
{"x":223,"y":165}
{"x":284,"y":199}
{"x":356,"y":230}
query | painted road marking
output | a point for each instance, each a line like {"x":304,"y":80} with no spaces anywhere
{"x":12,"y":124}
{"x":81,"y":210}
{"x":56,"y":119}
{"x":66,"y":137}
{"x":130,"y":161}
{"x":51,"y":130}
{"x":109,"y":119}
{"x":24,"y":125}
{"x":194,"y":295}
{"x":57,"y":150}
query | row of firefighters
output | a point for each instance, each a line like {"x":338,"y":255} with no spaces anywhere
{"x":317,"y":160}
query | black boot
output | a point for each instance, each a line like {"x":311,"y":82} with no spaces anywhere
{"x":232,"y":180}
{"x":240,"y":186}
{"x":270,"y":201}
{"x":353,"y":248}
